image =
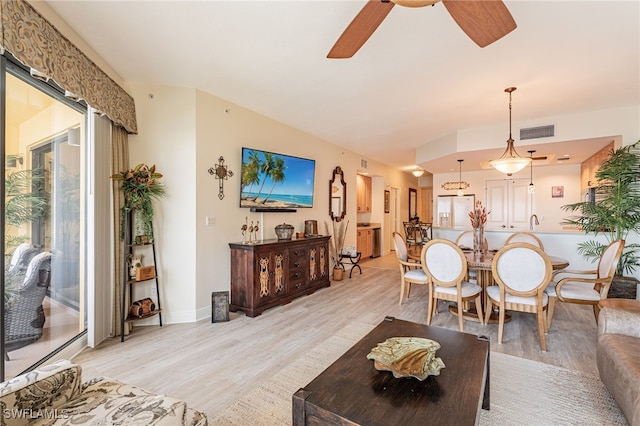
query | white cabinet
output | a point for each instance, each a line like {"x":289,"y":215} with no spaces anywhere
{"x":510,"y":204}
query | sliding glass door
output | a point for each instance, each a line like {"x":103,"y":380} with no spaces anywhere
{"x":44,"y":306}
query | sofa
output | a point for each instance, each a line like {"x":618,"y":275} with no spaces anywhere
{"x":55,"y":395}
{"x":618,"y":358}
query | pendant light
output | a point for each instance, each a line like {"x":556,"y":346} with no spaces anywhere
{"x":532,"y":187}
{"x":460,"y":190}
{"x":510,"y":162}
{"x":417,"y":172}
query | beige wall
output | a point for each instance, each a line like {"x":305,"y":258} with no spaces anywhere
{"x":184,"y":132}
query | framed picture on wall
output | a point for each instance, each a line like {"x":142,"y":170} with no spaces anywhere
{"x":557,"y":191}
{"x":387,"y":196}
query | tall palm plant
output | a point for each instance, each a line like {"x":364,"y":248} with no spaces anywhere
{"x":616,"y":210}
{"x":25,"y":201}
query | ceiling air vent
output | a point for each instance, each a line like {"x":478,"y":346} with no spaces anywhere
{"x":538,"y":132}
{"x":363,"y":163}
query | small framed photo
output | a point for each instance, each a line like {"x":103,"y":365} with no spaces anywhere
{"x":387,"y":196}
{"x":219,"y":306}
{"x":557,"y":191}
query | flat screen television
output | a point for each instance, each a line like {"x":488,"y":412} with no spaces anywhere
{"x":276,"y":181}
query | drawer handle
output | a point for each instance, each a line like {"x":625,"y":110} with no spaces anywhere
{"x":296,"y":264}
{"x":298,"y":285}
{"x":297,"y":275}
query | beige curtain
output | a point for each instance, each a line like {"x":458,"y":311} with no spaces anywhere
{"x":32,"y":40}
{"x":119,"y":163}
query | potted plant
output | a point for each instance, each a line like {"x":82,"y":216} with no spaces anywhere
{"x":615,"y":212}
{"x":140,"y":186}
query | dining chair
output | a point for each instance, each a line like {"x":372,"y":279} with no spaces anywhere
{"x":524,"y":237}
{"x":426,"y":232}
{"x":465,"y":241}
{"x":410,"y":233}
{"x":410,"y":272}
{"x":522,"y":272}
{"x":446,"y":266}
{"x":586,"y":287}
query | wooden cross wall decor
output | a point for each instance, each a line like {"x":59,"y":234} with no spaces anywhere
{"x":221,"y":173}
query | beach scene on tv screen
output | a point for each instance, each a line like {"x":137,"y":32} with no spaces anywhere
{"x":275,"y":180}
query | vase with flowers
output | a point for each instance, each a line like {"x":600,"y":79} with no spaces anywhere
{"x":140,"y":185}
{"x":478,"y":217}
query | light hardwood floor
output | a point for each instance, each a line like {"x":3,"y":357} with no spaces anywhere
{"x":209,"y":365}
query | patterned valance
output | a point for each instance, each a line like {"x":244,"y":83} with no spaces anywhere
{"x":31,"y":39}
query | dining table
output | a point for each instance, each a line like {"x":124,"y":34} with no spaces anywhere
{"x":481,"y":263}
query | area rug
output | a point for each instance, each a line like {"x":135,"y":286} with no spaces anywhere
{"x":522,"y":391}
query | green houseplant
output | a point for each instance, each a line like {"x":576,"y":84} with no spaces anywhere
{"x":140,"y":186}
{"x":616,"y":210}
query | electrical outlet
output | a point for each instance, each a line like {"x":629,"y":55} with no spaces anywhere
{"x":209,"y":220}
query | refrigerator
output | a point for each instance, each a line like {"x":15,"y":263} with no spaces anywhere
{"x":453,"y":211}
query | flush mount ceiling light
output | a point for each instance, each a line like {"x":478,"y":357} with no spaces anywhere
{"x":417,"y":172}
{"x":510,"y":162}
{"x":532,"y":187}
{"x":460,"y":190}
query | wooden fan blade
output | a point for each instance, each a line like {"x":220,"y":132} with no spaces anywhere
{"x":484,"y":21}
{"x":360,"y":29}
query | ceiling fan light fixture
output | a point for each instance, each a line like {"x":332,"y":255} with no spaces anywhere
{"x":415,"y":3}
{"x":510,"y":162}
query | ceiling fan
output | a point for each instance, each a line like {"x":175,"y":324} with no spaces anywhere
{"x":484,"y":21}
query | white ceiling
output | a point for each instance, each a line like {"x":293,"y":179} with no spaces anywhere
{"x":417,"y":79}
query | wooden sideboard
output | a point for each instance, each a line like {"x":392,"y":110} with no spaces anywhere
{"x":274,"y":272}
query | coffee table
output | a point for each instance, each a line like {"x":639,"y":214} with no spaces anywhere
{"x":351,"y":391}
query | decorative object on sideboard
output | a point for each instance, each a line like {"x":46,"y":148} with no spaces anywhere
{"x":219,"y":306}
{"x":407,"y":357}
{"x":311,"y":228}
{"x":221,"y":173}
{"x":284,"y":231}
{"x":510,"y":162}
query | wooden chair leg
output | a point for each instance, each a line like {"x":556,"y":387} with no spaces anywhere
{"x":541,"y":328}
{"x":501,"y":324}
{"x":479,"y":308}
{"x":596,"y":311}
{"x":401,"y":290}
{"x":432,"y":301}
{"x":550,"y":308}
{"x":460,"y":315}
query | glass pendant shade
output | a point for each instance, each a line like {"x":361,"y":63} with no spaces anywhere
{"x":532,"y":188}
{"x":417,"y":172}
{"x":510,"y":162}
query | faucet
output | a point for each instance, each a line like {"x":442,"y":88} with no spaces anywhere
{"x":533,"y":220}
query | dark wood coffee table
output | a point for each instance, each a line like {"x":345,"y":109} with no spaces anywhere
{"x":352,"y":392}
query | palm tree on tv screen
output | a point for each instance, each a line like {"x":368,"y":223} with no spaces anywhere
{"x":251,"y":172}
{"x":276,"y":173}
